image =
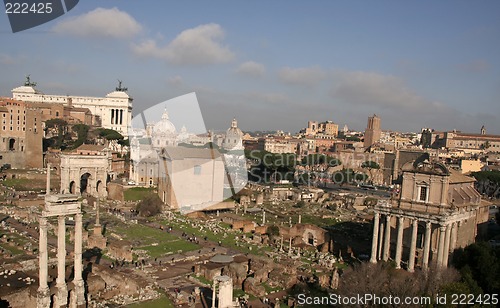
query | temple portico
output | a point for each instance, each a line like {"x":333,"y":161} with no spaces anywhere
{"x":60,"y":206}
{"x":436,"y":212}
{"x":414,"y":232}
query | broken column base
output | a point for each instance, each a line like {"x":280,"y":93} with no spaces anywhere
{"x":61,"y":298}
{"x":43,"y":298}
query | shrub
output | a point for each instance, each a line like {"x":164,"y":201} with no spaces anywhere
{"x":151,"y":205}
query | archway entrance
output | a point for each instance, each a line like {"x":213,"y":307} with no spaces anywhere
{"x":98,"y":186}
{"x":310,"y":238}
{"x":72,"y":187}
{"x":84,"y":182}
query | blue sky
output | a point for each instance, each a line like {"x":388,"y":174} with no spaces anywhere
{"x":276,"y":64}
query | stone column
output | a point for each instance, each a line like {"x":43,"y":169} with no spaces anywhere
{"x":454,"y":233}
{"x":387,"y":238}
{"x":78,"y":281}
{"x":440,"y":251}
{"x":214,"y":294}
{"x":263,"y":217}
{"x":427,"y":245}
{"x":376,"y":223}
{"x":47,"y":189}
{"x":43,"y":294}
{"x":380,"y":240}
{"x":62,"y":289}
{"x":399,"y":242}
{"x":413,"y":247}
{"x":446,"y":250}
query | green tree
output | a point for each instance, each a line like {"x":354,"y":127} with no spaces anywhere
{"x":150,"y":205}
{"x":82,"y":132}
{"x":61,"y":126}
{"x":480,"y":263}
{"x":273,"y":231}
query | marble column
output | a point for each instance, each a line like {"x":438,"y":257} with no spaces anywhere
{"x":413,"y":246}
{"x":442,"y":230}
{"x":399,"y":241}
{"x":446,"y":250}
{"x":376,"y":223}
{"x":78,"y":280}
{"x":427,"y":245}
{"x":387,"y":238}
{"x":43,"y":294}
{"x":454,"y":233}
{"x":380,"y":240}
{"x":62,"y":289}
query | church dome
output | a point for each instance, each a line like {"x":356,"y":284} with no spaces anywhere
{"x":233,"y":139}
{"x":164,"y":126}
{"x":234,"y":131}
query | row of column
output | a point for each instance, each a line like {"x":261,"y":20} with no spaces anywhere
{"x":381,"y":241}
{"x":62,"y":289}
{"x":117,"y":116}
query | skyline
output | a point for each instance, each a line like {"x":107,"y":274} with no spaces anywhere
{"x":279,"y":64}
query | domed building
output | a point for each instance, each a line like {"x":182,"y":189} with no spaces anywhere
{"x":163,"y":132}
{"x":234,"y":138}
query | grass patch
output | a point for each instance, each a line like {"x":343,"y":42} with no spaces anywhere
{"x":13,"y":250}
{"x":203,"y":280}
{"x":24,"y":184}
{"x":146,"y":236}
{"x":137,"y":193}
{"x":270,"y":289}
{"x":162,"y":302}
{"x":229,"y":241}
{"x":169,"y":247}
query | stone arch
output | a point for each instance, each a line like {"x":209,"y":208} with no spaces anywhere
{"x":72,"y":187}
{"x":85,"y":183}
{"x":98,"y":187}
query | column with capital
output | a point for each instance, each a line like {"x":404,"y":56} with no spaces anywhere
{"x":442,"y":230}
{"x":413,"y":245}
{"x":427,"y":245}
{"x":399,"y":241}
{"x":376,"y":223}
{"x":62,"y":289}
{"x":43,"y":294}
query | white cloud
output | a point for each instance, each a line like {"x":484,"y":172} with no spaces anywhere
{"x":307,"y":76}
{"x":252,"y":69}
{"x":196,"y":46}
{"x":368,"y":88}
{"x":101,"y":22}
{"x":175,"y":80}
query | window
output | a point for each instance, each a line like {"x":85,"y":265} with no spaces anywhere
{"x":197,"y":169}
{"x":423,"y":194}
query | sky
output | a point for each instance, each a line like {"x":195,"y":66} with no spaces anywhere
{"x":275,"y":64}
